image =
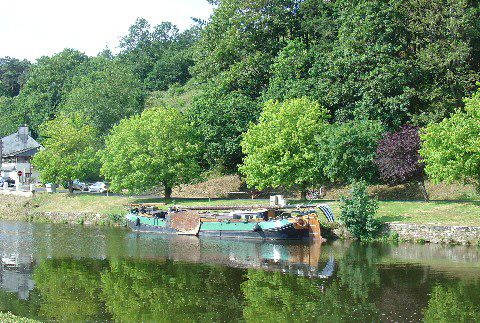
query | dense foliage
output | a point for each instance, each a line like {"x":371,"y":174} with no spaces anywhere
{"x":13,"y":73}
{"x":280,"y":149}
{"x":398,"y":159}
{"x":347,"y":150}
{"x":358,"y":212}
{"x":451,"y":148}
{"x":373,"y":65}
{"x":70,"y":148}
{"x":155,"y":148}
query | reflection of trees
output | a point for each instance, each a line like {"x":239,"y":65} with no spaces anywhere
{"x":9,"y":302}
{"x":69,"y":289}
{"x":147,"y":291}
{"x":272,"y":296}
{"x":357,"y":270}
{"x":458,"y":303}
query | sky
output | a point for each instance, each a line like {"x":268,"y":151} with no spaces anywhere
{"x":30,"y":29}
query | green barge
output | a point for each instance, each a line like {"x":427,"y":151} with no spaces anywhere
{"x":263,"y":223}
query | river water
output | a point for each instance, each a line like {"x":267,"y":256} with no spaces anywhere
{"x":75,"y":273}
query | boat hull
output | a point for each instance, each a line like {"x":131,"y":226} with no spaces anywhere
{"x":272,"y":230}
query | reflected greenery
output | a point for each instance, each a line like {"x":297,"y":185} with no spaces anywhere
{"x":357,"y":270}
{"x":84,"y":274}
{"x":276,"y":297}
{"x":148,"y":290}
{"x":70,"y":289}
{"x":458,"y":303}
{"x":9,"y":302}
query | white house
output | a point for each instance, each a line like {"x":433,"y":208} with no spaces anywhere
{"x":16,"y":152}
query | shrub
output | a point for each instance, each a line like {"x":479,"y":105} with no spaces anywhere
{"x":398,"y":159}
{"x":358,"y":211}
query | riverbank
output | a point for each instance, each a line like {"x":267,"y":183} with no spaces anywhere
{"x":412,"y":220}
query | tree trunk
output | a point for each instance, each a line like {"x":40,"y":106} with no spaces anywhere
{"x":303,"y":194}
{"x":70,"y":186}
{"x":168,"y":192}
{"x":421,"y":184}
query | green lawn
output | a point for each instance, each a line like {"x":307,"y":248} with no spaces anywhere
{"x":437,"y":212}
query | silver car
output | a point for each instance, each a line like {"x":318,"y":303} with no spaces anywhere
{"x":98,"y":187}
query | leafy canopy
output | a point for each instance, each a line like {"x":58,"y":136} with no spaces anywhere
{"x":70,"y":148}
{"x":280,"y":149}
{"x":451,"y":148}
{"x":347,"y":150}
{"x":221,"y":119}
{"x":155,"y":148}
{"x":397,"y":158}
{"x":106,"y":92}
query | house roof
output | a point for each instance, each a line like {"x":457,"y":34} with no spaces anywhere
{"x":14,"y":146}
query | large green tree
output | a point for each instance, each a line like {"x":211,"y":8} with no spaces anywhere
{"x":105,"y":91}
{"x":240,"y":41}
{"x":47,"y":85}
{"x":281,"y":149}
{"x":221,"y":119}
{"x":158,"y":147}
{"x":10,"y":121}
{"x":451,"y":148}
{"x":347,"y":150}
{"x":69,"y":150}
{"x":161,"y":55}
{"x":13,"y":73}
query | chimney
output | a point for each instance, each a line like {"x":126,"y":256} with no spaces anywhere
{"x":23,"y":133}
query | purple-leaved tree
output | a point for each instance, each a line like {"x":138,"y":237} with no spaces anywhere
{"x":398,"y":160}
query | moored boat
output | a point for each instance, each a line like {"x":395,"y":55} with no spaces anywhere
{"x":262,"y":223}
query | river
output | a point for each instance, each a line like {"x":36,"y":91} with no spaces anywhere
{"x":76,"y":273}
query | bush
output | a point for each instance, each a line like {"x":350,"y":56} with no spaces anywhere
{"x":358,"y":211}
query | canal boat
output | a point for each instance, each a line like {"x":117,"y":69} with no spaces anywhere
{"x":227,"y":222}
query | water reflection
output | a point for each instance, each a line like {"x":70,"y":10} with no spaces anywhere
{"x":98,"y":274}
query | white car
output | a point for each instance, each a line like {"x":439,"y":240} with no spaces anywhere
{"x":98,"y":187}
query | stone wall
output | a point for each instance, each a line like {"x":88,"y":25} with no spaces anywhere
{"x":417,"y":233}
{"x":434,"y":233}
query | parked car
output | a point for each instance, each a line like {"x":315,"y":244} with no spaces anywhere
{"x":10,"y":181}
{"x":79,"y":186}
{"x":98,"y":187}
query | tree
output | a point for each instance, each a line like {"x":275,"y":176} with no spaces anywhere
{"x":451,"y":148}
{"x":398,"y":159}
{"x":159,"y":56}
{"x":290,"y":68}
{"x":347,"y":150}
{"x":221,"y":119}
{"x":47,"y":84}
{"x":239,"y":43}
{"x":105,"y":91}
{"x":157,"y":147}
{"x":10,"y":121}
{"x":281,"y":150}
{"x":69,"y":153}
{"x":444,"y":51}
{"x":364,"y":75}
{"x":13,"y":73}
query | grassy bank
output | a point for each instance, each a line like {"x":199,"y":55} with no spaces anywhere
{"x":436,"y":212}
{"x":103,"y":207}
